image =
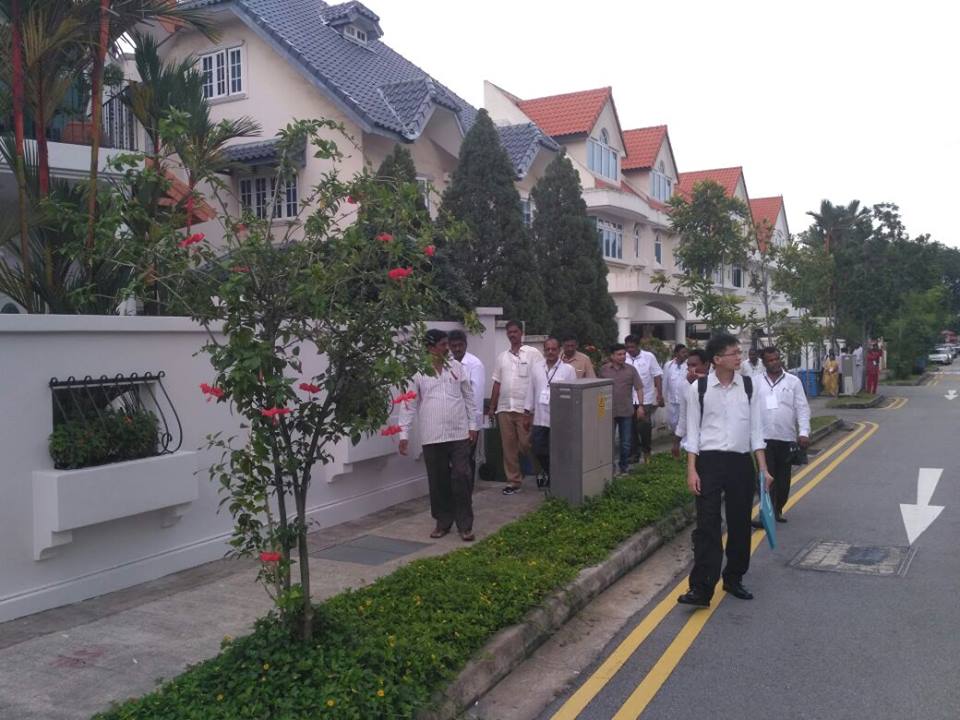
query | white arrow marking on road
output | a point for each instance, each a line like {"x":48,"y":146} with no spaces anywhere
{"x":917,"y":518}
{"x":951,"y":395}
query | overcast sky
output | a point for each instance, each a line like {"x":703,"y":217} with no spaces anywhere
{"x":840,"y":100}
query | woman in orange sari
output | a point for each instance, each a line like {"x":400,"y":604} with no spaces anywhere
{"x":831,"y":375}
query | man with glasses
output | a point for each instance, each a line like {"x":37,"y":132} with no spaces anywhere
{"x":537,"y":406}
{"x":724,"y":424}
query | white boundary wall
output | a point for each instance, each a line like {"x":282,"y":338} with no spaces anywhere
{"x":91,"y":559}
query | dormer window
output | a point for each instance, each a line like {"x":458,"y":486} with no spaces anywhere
{"x":661,"y":187}
{"x":601,"y":158}
{"x":355,"y":34}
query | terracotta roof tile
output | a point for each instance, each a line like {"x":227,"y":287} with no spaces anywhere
{"x":766,"y":209}
{"x":643,"y":144}
{"x":726,"y":177}
{"x":568,"y":114}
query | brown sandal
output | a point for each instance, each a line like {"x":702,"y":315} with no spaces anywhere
{"x":467,"y":536}
{"x":439,"y":532}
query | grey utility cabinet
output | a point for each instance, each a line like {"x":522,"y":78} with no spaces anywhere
{"x":581,"y":438}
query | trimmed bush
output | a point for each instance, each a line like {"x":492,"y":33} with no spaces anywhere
{"x":114,"y":436}
{"x":383,"y":650}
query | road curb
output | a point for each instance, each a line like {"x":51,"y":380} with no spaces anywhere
{"x":876,"y":401}
{"x":924,"y":377}
{"x":821,"y":433}
{"x":511,"y":646}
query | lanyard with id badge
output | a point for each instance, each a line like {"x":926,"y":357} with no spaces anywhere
{"x":773,"y":402}
{"x":544,"y":398}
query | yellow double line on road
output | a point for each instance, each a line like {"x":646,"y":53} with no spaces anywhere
{"x":654,"y":679}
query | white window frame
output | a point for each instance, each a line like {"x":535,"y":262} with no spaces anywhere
{"x":256,"y":191}
{"x":602,"y":159}
{"x":736,"y":276}
{"x":529,"y":209}
{"x":610,"y":237}
{"x":636,"y":240}
{"x":423,"y":184}
{"x":356,"y":34}
{"x":657,"y":248}
{"x":718,"y":275}
{"x":224,"y":73}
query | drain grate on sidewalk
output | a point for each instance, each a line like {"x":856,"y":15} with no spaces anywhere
{"x":369,"y":550}
{"x":841,"y":557}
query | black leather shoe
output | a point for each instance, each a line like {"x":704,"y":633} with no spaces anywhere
{"x":756,"y":524}
{"x":738,"y":590}
{"x":691,"y":597}
{"x":780,"y":519}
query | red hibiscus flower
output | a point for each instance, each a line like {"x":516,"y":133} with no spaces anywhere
{"x":385,"y":237}
{"x":351,"y":199}
{"x":392,"y":430}
{"x":430,"y":251}
{"x":310,"y":388}
{"x":400,"y":273}
{"x":405,"y":397}
{"x":275,"y":413}
{"x":213,"y":392}
{"x":191,"y":240}
{"x":270,"y":557}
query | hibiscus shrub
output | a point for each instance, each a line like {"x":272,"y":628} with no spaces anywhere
{"x":348,"y":281}
{"x":382,"y":651}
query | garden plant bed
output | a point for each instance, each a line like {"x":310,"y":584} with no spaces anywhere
{"x":822,"y":425}
{"x":386,"y":650}
{"x":860,"y":401}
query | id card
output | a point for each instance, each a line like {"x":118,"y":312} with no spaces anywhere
{"x":523,"y":369}
{"x":545,"y":397}
{"x":772,"y":402}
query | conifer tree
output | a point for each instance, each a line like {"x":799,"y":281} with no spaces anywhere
{"x":566,"y":246}
{"x":494,"y":253}
{"x":455,"y":300}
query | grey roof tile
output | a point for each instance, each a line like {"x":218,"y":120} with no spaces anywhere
{"x":381,"y":87}
{"x":260,"y":151}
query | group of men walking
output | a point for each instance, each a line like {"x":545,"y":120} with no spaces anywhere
{"x":732,"y":421}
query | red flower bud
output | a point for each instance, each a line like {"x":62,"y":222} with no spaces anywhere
{"x":400,"y":273}
{"x":213,"y":392}
{"x":307,"y":387}
{"x":270,"y":557}
{"x":275,"y":413}
{"x":351,"y":199}
{"x":430,"y":251}
{"x":191,"y":240}
{"x":405,"y":397}
{"x":240,"y":269}
{"x":385,"y":237}
{"x":392,"y":430}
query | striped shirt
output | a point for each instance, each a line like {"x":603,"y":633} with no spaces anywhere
{"x":444,"y":404}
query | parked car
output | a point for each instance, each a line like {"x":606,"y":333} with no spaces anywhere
{"x":940,"y":357}
{"x":951,"y":350}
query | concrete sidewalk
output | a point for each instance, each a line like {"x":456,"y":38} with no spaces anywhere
{"x":71,"y":662}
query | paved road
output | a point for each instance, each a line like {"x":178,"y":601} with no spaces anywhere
{"x":817,"y":644}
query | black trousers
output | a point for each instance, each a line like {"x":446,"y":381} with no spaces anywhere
{"x":778,"y":465}
{"x":451,"y":484}
{"x":729,"y":478}
{"x":643,"y":432}
{"x":540,"y":444}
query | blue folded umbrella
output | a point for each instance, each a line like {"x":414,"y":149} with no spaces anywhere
{"x":766,"y":513}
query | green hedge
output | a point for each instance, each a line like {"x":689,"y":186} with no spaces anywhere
{"x":383,"y":650}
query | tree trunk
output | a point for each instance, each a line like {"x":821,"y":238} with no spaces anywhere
{"x":96,"y":112}
{"x":306,"y":626}
{"x":18,"y":132}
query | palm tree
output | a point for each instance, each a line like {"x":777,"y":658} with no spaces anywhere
{"x":116,"y":19}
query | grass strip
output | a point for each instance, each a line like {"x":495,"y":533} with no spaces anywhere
{"x":381,"y":651}
{"x":821,"y":421}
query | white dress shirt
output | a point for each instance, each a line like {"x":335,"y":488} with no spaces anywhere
{"x":674,"y":381}
{"x":784,"y":407}
{"x":681,"y":429}
{"x":538,"y":393}
{"x":513,"y":374}
{"x":729,"y":423}
{"x":647,"y":367}
{"x":478,"y":380}
{"x":754,"y":371}
{"x":858,"y":357}
{"x":444,"y":403}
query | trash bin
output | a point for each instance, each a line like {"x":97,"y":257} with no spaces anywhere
{"x":492,"y":466}
{"x":809,"y":378}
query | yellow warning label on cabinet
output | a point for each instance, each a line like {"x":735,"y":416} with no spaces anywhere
{"x":601,"y":407}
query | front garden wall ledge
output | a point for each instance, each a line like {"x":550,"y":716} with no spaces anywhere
{"x":64,"y":500}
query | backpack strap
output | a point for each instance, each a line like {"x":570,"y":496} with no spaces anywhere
{"x":702,"y":390}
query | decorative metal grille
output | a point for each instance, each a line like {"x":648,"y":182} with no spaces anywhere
{"x":91,"y":400}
